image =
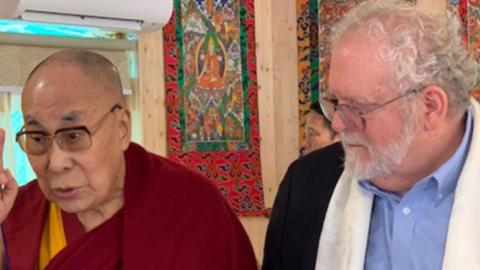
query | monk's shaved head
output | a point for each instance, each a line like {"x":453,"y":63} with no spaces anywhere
{"x":95,"y":66}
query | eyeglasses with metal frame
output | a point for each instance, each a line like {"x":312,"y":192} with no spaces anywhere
{"x":352,"y":116}
{"x":71,"y":139}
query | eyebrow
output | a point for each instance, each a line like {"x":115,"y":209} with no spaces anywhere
{"x":359,"y":102}
{"x":32,"y":121}
{"x":352,"y":100}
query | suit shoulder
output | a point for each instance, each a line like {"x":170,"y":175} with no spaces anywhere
{"x":333,"y":151}
{"x":331,"y":156}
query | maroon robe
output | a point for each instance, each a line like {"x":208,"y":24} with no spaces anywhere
{"x":172,"y":219}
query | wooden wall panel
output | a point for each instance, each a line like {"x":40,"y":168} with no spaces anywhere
{"x":277,"y":93}
{"x":152,"y":91}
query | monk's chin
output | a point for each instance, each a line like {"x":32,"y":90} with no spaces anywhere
{"x":71,"y":205}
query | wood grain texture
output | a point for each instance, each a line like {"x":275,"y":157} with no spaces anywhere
{"x":152,"y":91}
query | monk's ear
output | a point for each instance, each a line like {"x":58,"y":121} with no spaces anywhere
{"x":125,"y":128}
{"x":435,"y":106}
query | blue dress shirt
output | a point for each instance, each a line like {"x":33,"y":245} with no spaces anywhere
{"x":409,"y":232}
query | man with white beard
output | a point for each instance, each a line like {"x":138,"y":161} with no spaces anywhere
{"x":409,"y":197}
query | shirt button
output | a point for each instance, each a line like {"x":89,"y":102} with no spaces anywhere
{"x":406,"y":211}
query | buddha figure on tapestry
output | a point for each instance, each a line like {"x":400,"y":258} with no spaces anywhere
{"x":211,"y":75}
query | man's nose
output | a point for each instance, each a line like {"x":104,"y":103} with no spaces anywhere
{"x":58,"y":159}
{"x":338,"y":124}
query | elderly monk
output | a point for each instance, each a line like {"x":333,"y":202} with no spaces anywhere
{"x":99,"y":200}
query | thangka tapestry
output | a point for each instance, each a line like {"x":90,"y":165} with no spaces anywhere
{"x":307,"y":41}
{"x":212,"y":110}
{"x":469,"y":14}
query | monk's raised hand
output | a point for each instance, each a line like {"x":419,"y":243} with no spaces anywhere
{"x":8,"y":185}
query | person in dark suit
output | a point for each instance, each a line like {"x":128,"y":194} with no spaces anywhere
{"x":299,"y":209}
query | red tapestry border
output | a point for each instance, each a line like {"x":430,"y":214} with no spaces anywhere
{"x":236,"y":173}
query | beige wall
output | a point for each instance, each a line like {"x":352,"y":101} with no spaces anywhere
{"x":277,"y":96}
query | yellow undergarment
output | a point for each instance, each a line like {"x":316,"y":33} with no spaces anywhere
{"x":53,"y":237}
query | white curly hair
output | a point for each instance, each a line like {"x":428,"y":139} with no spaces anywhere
{"x":423,"y":49}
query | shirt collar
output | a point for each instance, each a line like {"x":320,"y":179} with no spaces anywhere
{"x":369,"y":187}
{"x":446,"y":176}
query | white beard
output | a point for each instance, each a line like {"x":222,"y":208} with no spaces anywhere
{"x":382,"y":159}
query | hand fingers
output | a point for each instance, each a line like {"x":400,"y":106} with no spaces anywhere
{"x":8,"y":185}
{"x":7,"y":181}
{"x":7,"y":195}
{"x":4,"y":179}
{"x":12,"y":183}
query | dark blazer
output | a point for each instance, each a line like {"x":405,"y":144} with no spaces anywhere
{"x":299,"y":210}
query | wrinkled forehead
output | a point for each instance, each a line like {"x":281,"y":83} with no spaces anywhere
{"x":59,"y":94}
{"x":60,"y":83}
{"x":356,"y":71}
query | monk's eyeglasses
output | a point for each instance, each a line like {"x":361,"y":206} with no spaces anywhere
{"x":71,"y":139}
